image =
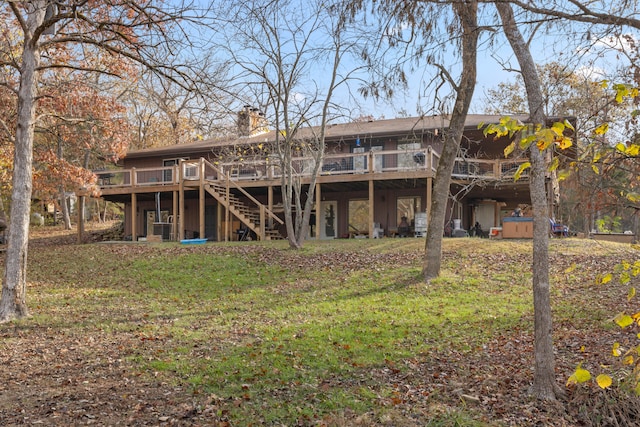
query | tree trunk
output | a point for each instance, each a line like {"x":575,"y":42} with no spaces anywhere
{"x":64,"y":206}
{"x":63,"y":197}
{"x":14,"y":282}
{"x":544,"y":382}
{"x":467,"y":13}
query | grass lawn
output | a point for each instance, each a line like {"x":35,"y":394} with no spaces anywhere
{"x":340,"y":333}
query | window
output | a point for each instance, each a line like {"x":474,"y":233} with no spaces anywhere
{"x":168,"y":174}
{"x":408,"y":206}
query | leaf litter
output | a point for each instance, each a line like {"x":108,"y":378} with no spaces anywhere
{"x":63,"y":376}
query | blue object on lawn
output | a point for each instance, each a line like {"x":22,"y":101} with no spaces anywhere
{"x":193,"y":241}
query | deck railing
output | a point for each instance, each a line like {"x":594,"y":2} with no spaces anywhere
{"x":373,"y":162}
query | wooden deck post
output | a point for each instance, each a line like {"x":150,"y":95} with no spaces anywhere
{"x":201,"y":200}
{"x":371,"y":207}
{"x":318,"y":201}
{"x":175,"y":216}
{"x":219,"y":230}
{"x":429,"y":183}
{"x":227,"y":214}
{"x":134,"y":217}
{"x":429,"y":197}
{"x":262,"y":221}
{"x":180,"y":201}
{"x":270,"y":204}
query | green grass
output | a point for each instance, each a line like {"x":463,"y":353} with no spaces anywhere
{"x":280,"y":335}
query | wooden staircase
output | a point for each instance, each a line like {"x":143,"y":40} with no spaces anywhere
{"x":247,"y":216}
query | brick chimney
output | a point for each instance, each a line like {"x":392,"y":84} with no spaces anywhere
{"x":251,"y":122}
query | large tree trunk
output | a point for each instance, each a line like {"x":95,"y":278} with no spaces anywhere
{"x":467,"y":13}
{"x":63,"y":197}
{"x":544,"y":382}
{"x":14,"y":282}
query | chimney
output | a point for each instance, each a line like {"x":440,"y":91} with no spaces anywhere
{"x":251,"y":122}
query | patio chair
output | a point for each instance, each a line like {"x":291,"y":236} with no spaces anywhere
{"x":557,"y":229}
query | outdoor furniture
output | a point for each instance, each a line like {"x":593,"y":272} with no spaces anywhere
{"x":558,"y":229}
{"x":243,"y":234}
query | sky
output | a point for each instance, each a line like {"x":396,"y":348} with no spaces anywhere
{"x":597,"y":64}
{"x":556,"y":44}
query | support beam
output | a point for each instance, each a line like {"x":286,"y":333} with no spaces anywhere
{"x":180,"y":201}
{"x":175,"y":216}
{"x":429,"y":198}
{"x":371,"y":208}
{"x":134,"y":217}
{"x":201,"y":200}
{"x":270,"y":204}
{"x":219,"y":222}
{"x":201,"y":210}
{"x":227,"y":214}
{"x":318,"y":201}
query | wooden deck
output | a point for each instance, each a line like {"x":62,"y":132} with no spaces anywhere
{"x":342,"y":168}
{"x":225,"y":180}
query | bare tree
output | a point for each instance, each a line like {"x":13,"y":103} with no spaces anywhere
{"x":467,"y":16}
{"x":544,"y":382}
{"x":291,"y":57}
{"x":416,"y":38}
{"x":613,"y":13}
{"x":114,"y":28}
{"x":163,"y":112}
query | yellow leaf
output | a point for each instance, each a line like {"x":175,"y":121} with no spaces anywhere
{"x":509,"y":149}
{"x":571,"y":268}
{"x":624,"y":278}
{"x":602,"y":129}
{"x":554,"y":164}
{"x":568,"y":125}
{"x":565,"y":143}
{"x":583,"y":349}
{"x":616,"y":351}
{"x":623,"y":320}
{"x":628,"y":360}
{"x":521,"y":169}
{"x":606,"y":278}
{"x":581,"y":375}
{"x":595,"y":169}
{"x":632,"y":293}
{"x":564,"y":174}
{"x":621,"y":147}
{"x":604,"y":381}
{"x":527,"y":141}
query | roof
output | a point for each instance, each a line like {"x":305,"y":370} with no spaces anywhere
{"x":378,"y":128}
